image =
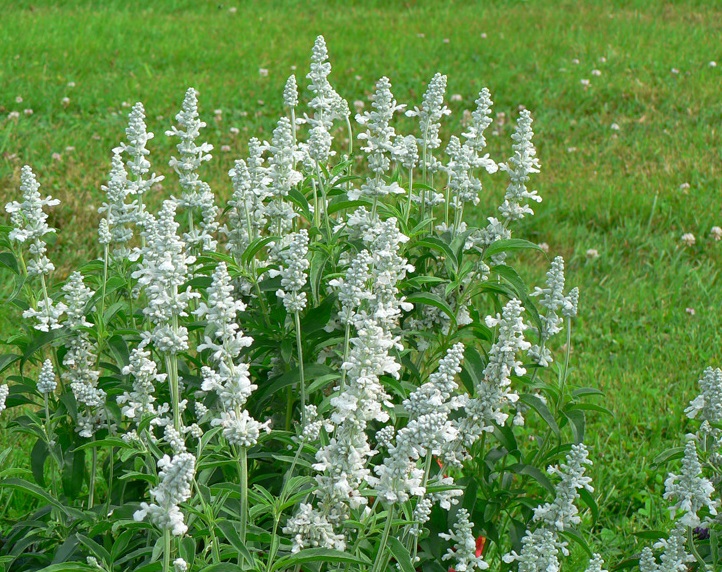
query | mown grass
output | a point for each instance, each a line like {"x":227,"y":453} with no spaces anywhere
{"x":617,"y":191}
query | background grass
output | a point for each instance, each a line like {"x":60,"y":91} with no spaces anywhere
{"x":650,"y":309}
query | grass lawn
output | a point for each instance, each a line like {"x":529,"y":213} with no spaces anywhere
{"x":628,"y":120}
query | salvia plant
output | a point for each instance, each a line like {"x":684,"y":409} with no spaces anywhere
{"x":335,"y":371}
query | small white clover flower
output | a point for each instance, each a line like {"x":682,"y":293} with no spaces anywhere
{"x":688,"y":239}
{"x":592,"y":254}
{"x":690,"y":489}
{"x":463,"y":552}
{"x":46,"y":380}
{"x":716,"y":233}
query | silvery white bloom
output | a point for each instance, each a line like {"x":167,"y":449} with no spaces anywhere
{"x":708,"y":405}
{"x":421,"y":515}
{"x":231,"y":382}
{"x":353,"y":290}
{"x":379,"y":142}
{"x":140,"y":401}
{"x":326,"y":103}
{"x":176,"y":476}
{"x":174,"y":439}
{"x":463,"y":185}
{"x":196,"y":193}
{"x":555,"y":303}
{"x":295,"y":264}
{"x":318,"y":147}
{"x":137,"y":162}
{"x":562,"y":513}
{"x":430,"y":115}
{"x":463,"y":552}
{"x":4,"y":392}
{"x":47,"y":314}
{"x":571,"y":304}
{"x":223,"y":334}
{"x":309,"y":528}
{"x":118,"y":213}
{"x":290,"y":92}
{"x":241,"y":430}
{"x":539,"y":552}
{"x":481,"y":119}
{"x":77,"y":296}
{"x":282,"y":175}
{"x":689,"y":488}
{"x":647,"y":563}
{"x":180,"y":565}
{"x":674,"y":556}
{"x":406,"y":151}
{"x":493,"y":394}
{"x":46,"y":379}
{"x":104,"y":235}
{"x":595,"y":564}
{"x":162,"y":272}
{"x":522,"y":164}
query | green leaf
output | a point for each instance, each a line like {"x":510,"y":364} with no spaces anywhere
{"x":668,"y":455}
{"x":318,"y":555}
{"x":579,"y":539}
{"x":588,"y":500}
{"x":509,"y":245}
{"x":73,"y":473}
{"x":578,"y":423}
{"x":36,"y":491}
{"x":403,"y":558}
{"x":8,"y":260}
{"x":534,"y":473}
{"x":255,"y":246}
{"x":589,"y":407}
{"x":540,"y":407}
{"x":69,"y":567}
{"x":231,"y":534}
{"x":96,"y":549}
{"x":440,"y":246}
{"x":38,"y":457}
{"x":336,"y":206}
{"x":431,"y":300}
{"x":102,"y":443}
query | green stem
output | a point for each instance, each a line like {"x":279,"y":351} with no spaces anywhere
{"x":166,"y":550}
{"x":411,"y":194}
{"x":243,"y":470}
{"x":302,"y":379}
{"x":346,"y":339}
{"x":380,"y":555}
{"x":93,"y":470}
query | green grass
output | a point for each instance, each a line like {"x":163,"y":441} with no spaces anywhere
{"x":618,"y":192}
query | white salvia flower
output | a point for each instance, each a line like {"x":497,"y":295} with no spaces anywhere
{"x":176,"y":476}
{"x":164,"y":269}
{"x":30,"y":223}
{"x":180,"y":565}
{"x":138,"y":164}
{"x":353,"y":289}
{"x":231,"y":383}
{"x":647,"y":563}
{"x":554,"y":301}
{"x":406,"y":151}
{"x":140,"y":401}
{"x":430,"y":115}
{"x":46,"y":380}
{"x":174,"y":439}
{"x":481,"y":119}
{"x":314,"y":423}
{"x":326,"y":103}
{"x":223,"y":334}
{"x":463,"y":552}
{"x":464,"y":187}
{"x":562,"y":513}
{"x":282,"y":176}
{"x":4,"y":391}
{"x":118,"y":213}
{"x":571,"y":304}
{"x":241,"y":430}
{"x":319,"y":145}
{"x":104,"y":235}
{"x":522,"y":164}
{"x":293,"y":272}
{"x":493,"y":394}
{"x":290,"y":92}
{"x":196,"y":193}
{"x":47,"y":314}
{"x":595,"y":564}
{"x":708,"y":405}
{"x":689,"y":488}
{"x":77,"y":296}
{"x":539,"y":552}
{"x":674,"y":556}
{"x":379,"y":138}
{"x":309,"y":528}
{"x":421,"y":515}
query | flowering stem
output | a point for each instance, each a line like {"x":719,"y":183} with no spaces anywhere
{"x":325,"y":201}
{"x":166,"y":550}
{"x":172,"y":370}
{"x":93,"y":469}
{"x":243,"y":470}
{"x":346,"y":339}
{"x":567,"y":352}
{"x":380,"y":555}
{"x":411,"y":194}
{"x":302,"y":380}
